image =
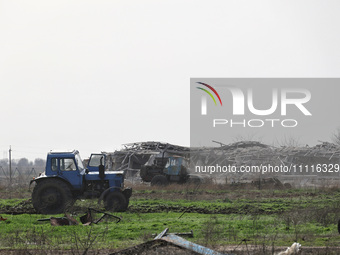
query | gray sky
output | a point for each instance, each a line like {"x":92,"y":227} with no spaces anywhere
{"x":93,"y":75}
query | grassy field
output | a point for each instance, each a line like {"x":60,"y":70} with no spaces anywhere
{"x":219,"y":216}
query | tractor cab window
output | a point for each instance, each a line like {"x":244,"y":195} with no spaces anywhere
{"x":171,"y":162}
{"x":67,"y":164}
{"x":95,"y":160}
{"x":54,"y":164}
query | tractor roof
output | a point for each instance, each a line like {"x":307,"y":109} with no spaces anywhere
{"x":63,"y":152}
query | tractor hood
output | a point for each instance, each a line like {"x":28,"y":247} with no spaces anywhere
{"x":107,"y":172}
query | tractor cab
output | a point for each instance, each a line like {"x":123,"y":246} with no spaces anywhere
{"x":173,"y":166}
{"x":176,"y":169}
{"x":66,"y":165}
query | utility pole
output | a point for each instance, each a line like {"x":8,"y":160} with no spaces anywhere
{"x":10,"y":165}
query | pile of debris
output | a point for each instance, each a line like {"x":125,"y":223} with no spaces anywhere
{"x":174,"y":243}
{"x":134,"y":155}
{"x":323,"y":153}
{"x":239,"y":154}
{"x":86,"y":220}
{"x":165,"y":239}
{"x":318,"y":161}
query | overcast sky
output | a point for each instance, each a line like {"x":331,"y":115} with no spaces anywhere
{"x":92,"y":75}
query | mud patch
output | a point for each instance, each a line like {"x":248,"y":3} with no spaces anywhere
{"x":21,"y":208}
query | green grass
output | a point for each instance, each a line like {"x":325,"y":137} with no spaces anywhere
{"x":24,"y":231}
{"x":10,"y":202}
{"x":264,"y":218}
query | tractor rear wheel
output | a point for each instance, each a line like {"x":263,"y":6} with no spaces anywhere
{"x":159,"y":180}
{"x":51,"y":196}
{"x":115,"y":201}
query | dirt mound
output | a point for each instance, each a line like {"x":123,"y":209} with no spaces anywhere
{"x":243,"y":209}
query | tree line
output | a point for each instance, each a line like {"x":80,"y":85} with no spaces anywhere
{"x":23,"y":163}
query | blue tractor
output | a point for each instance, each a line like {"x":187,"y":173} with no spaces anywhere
{"x":66,"y":179}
